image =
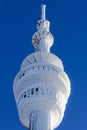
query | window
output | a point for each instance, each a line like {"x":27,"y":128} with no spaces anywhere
{"x":32,"y":91}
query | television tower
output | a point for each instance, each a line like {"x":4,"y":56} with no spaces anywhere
{"x":41,"y":87}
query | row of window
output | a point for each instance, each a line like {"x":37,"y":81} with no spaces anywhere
{"x":42,"y":68}
{"x":36,"y":92}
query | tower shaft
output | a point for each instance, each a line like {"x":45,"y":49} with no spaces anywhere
{"x":39,"y":120}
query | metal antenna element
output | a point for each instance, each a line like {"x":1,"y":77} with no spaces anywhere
{"x":42,"y":39}
{"x":43,"y":15}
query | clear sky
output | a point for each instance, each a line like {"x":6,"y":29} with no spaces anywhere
{"x":68,"y":19}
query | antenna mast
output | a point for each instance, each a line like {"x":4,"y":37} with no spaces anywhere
{"x":43,"y":15}
{"x":42,"y":39}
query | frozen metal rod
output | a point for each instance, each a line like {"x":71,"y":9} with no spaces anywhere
{"x":43,"y":15}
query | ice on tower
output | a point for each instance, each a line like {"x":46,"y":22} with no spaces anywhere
{"x":42,"y":39}
{"x":41,"y":87}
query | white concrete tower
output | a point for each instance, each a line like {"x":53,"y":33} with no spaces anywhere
{"x":41,"y":87}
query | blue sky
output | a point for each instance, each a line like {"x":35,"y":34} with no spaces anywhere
{"x":68,"y":19}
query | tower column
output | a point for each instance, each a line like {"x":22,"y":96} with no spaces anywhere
{"x":40,"y":120}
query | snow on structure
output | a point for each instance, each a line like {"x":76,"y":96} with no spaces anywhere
{"x":41,"y":87}
{"x":42,"y":39}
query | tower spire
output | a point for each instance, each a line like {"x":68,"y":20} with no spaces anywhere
{"x":42,"y":39}
{"x":43,"y":15}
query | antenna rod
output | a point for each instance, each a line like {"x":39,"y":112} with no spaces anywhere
{"x":43,"y":12}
